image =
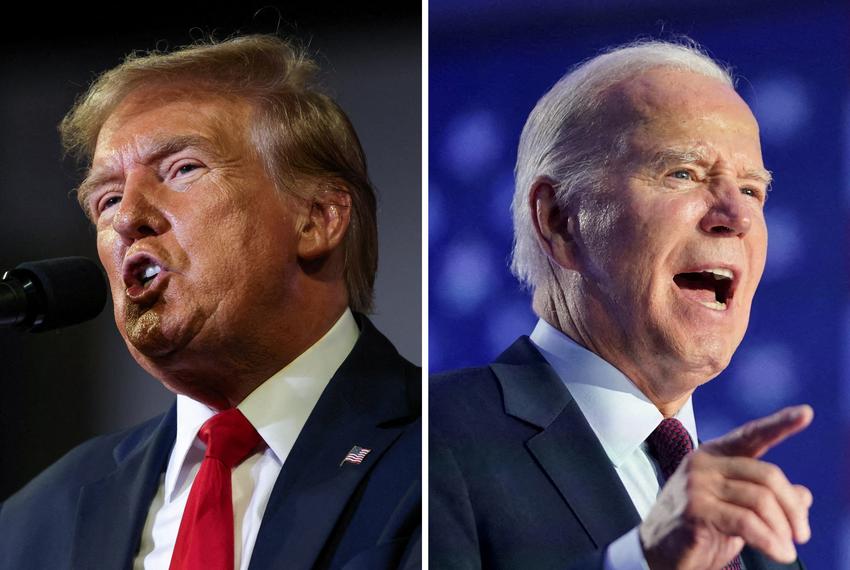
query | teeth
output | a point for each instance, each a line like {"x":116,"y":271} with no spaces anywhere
{"x":151,"y":270}
{"x":720,"y":273}
{"x":149,"y":273}
{"x":715,"y":305}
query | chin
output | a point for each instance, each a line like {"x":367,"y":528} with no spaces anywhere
{"x":709,"y":356}
{"x":148,"y":333}
{"x":148,"y":340}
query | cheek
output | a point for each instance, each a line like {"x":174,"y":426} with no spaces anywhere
{"x":627,"y":238}
{"x":757,"y":251}
{"x":243,"y":245}
{"x":210,"y":223}
{"x":660,"y":226}
{"x":644,"y":240}
{"x":760,"y":253}
{"x":109,"y":252}
{"x":600,"y":227}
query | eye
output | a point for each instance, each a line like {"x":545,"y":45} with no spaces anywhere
{"x":682,"y":175}
{"x":181,"y":167}
{"x":754,"y":192}
{"x":186,"y":168}
{"x":107,"y":202}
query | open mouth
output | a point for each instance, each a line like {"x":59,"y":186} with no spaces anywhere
{"x":148,"y":273}
{"x":140,"y":272}
{"x":712,"y":288}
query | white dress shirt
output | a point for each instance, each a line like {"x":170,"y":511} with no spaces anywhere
{"x":278,"y":410}
{"x":622,"y":417}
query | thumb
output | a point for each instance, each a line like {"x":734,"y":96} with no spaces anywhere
{"x":755,"y":438}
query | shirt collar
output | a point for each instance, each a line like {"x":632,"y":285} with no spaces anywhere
{"x":621,"y":416}
{"x":278,"y":408}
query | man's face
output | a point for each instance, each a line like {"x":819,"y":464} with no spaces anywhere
{"x":674,"y":246}
{"x":196,"y":241}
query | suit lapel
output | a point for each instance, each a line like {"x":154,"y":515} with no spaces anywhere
{"x":112,"y":510}
{"x":366,"y":404}
{"x":570,"y":453}
{"x":566,"y":448}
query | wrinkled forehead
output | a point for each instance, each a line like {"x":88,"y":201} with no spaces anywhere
{"x":151,"y":115}
{"x":668,"y":107}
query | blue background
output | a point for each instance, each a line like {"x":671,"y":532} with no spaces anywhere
{"x":490,"y":62}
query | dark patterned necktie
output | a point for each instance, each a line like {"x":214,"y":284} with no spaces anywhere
{"x":669,"y":444}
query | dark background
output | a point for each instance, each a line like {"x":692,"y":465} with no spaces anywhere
{"x":491,"y":61}
{"x":62,"y":387}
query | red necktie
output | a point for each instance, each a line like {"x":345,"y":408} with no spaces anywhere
{"x":669,"y":444}
{"x":205,"y":538}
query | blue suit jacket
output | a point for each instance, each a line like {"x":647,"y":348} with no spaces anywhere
{"x":518,"y":480}
{"x":87,"y":511}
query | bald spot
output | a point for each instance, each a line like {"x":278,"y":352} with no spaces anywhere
{"x":667,"y":100}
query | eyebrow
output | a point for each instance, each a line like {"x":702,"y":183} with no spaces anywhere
{"x":693,"y":156}
{"x":154,"y":151}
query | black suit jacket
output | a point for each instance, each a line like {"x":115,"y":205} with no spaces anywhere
{"x":518,"y":480}
{"x":87,"y":511}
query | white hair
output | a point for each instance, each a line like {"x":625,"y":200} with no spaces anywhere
{"x":560,"y":139}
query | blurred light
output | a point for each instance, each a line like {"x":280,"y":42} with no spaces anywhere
{"x":843,"y":542}
{"x":473,"y":144}
{"x":781,"y":105}
{"x":508,"y":320}
{"x":435,"y":352}
{"x":804,"y":112}
{"x":764,"y":378}
{"x":845,"y":366}
{"x":711,"y":424}
{"x":468,"y":275}
{"x":500,"y":204}
{"x":436,"y":213}
{"x":845,"y":163}
{"x":786,"y":243}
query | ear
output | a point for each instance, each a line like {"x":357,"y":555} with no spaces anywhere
{"x":552,"y":224}
{"x":326,"y":224}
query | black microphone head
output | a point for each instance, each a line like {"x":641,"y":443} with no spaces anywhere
{"x":69,"y":290}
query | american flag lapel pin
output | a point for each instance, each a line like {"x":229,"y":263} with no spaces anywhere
{"x":355,"y":456}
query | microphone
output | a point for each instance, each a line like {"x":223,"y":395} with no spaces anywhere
{"x":52,"y":293}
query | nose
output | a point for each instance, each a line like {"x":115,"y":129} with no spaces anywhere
{"x":728,"y":213}
{"x":139,"y":213}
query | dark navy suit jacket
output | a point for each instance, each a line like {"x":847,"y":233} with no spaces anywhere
{"x":87,"y":511}
{"x":517,"y":478}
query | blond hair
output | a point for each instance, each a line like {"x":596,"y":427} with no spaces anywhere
{"x":299,"y":133}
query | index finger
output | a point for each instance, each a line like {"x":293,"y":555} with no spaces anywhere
{"x":755,"y":438}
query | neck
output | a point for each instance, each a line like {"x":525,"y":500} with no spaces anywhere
{"x":670,"y":409}
{"x":223,"y":374}
{"x":560,"y":314}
